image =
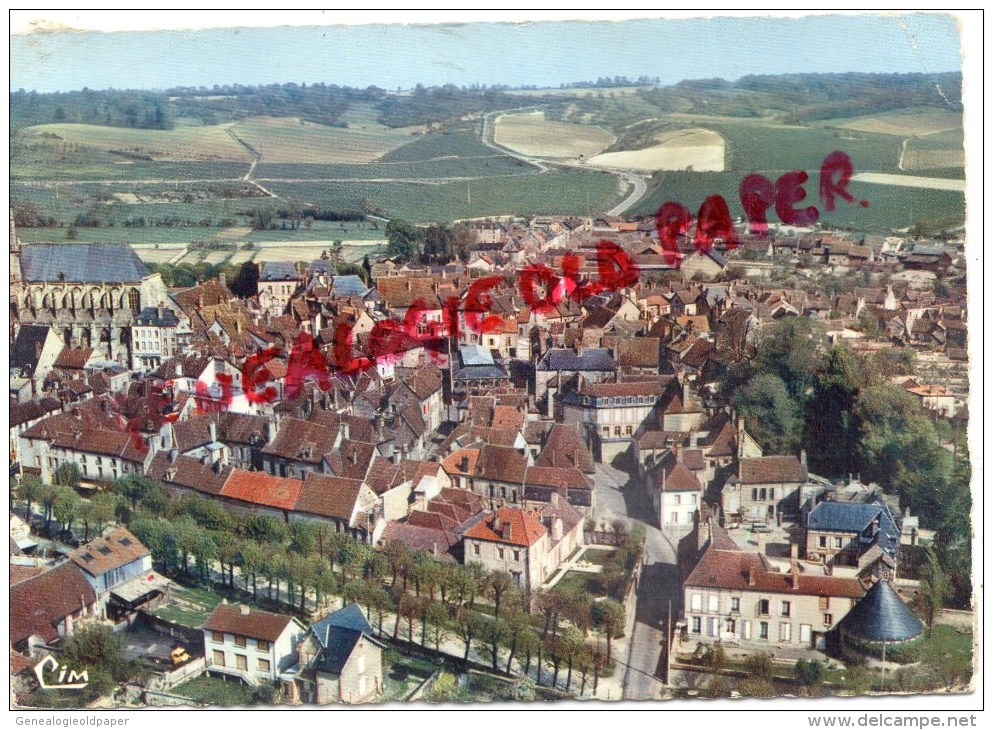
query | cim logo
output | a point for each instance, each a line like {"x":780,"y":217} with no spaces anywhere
{"x":67,"y":678}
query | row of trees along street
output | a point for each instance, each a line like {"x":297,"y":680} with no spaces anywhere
{"x":302,"y":565}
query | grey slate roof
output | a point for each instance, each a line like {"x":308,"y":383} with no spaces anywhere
{"x":338,"y":634}
{"x":349,"y":286}
{"x":597,"y":359}
{"x":24,"y":353}
{"x":321,"y":266}
{"x":882,"y":616}
{"x":278,"y":271}
{"x":149,"y":317}
{"x":81,"y":262}
{"x":856,"y":517}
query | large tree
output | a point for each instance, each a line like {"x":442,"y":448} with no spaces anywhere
{"x":403,"y":239}
{"x":772,"y":416}
{"x":791,"y":349}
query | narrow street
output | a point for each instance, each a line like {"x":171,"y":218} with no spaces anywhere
{"x":617,"y":496}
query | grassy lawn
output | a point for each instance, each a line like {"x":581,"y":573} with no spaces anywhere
{"x":575,"y":581}
{"x":206,"y":690}
{"x":403,"y":673}
{"x":948,"y":646}
{"x":189,"y":607}
{"x":598,"y":557}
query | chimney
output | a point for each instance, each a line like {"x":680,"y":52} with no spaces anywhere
{"x":161,"y":311}
{"x":794,"y":551}
{"x":760,"y":543}
{"x":200,"y":301}
{"x":464,"y":464}
{"x":751,"y":576}
{"x":173,"y":453}
{"x":270,"y":431}
{"x":354,"y":458}
{"x":345,"y":431}
{"x":212,"y":428}
{"x":245,"y":610}
{"x":222,"y":278}
{"x":37,"y":349}
{"x":555,"y":499}
{"x":496,"y":524}
{"x":803,"y":458}
{"x":557,"y":528}
{"x":694,"y":437}
{"x":179,"y":369}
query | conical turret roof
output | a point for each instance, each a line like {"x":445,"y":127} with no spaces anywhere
{"x":882,"y":615}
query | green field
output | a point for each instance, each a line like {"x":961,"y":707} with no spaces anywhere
{"x":462,"y":143}
{"x":889,"y":206}
{"x":480,"y":166}
{"x":562,"y":193}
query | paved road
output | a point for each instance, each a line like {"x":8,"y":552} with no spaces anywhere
{"x":617,"y":496}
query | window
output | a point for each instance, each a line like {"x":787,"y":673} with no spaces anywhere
{"x":837,"y":543}
{"x":240,"y":641}
{"x":764,"y":607}
{"x":677,"y":499}
{"x":712,"y":604}
{"x":627,"y":430}
{"x":785,"y":630}
{"x":696,"y":602}
{"x":217,"y":637}
{"x":822,"y":541}
{"x":218,"y":659}
{"x":262,"y":645}
{"x":606,"y":430}
{"x":674,"y":518}
{"x":475,"y":548}
{"x":617,"y":430}
{"x":746,"y":630}
{"x":785,"y":608}
{"x":735,"y":605}
{"x":265,"y":666}
{"x":713,"y":626}
{"x":824,"y":603}
{"x":517,"y":556}
{"x":500,"y":553}
{"x":241,"y":662}
{"x":764,"y":630}
{"x":828,"y":619}
{"x":755,"y":495}
{"x":692,"y":499}
{"x":805,"y":630}
{"x":696,"y":625}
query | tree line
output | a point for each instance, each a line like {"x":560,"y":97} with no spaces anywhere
{"x":437,"y":243}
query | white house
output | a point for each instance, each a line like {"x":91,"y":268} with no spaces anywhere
{"x":251,"y":644}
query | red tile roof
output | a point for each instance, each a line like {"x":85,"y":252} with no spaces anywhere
{"x":39,"y":604}
{"x":255,"y":624}
{"x":262,"y":489}
{"x":509,"y":525}
{"x":771,"y":470}
{"x":112,"y":551}
{"x":731,"y":570}
{"x":329,"y":496}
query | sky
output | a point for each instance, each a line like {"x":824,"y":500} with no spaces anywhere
{"x":531,"y":53}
